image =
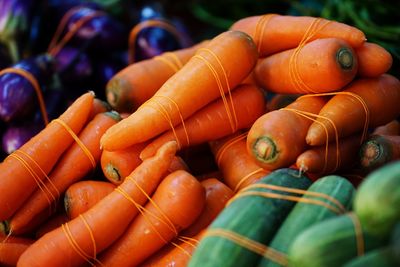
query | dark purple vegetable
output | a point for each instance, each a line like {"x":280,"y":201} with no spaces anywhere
{"x":17,"y":95}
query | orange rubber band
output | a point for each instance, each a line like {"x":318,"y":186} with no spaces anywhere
{"x":260,"y":29}
{"x":359,"y":234}
{"x":228,"y":144}
{"x":166,"y":60}
{"x":245,"y":178}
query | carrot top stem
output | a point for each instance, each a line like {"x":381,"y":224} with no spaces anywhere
{"x":265,"y":149}
{"x":345,"y":58}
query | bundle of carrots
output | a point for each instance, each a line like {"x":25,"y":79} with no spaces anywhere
{"x":147,"y":199}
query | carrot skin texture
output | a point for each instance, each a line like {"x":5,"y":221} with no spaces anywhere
{"x":72,"y":166}
{"x":45,"y":148}
{"x":179,"y":197}
{"x":212,"y":121}
{"x":54,"y":249}
{"x":138,"y":82}
{"x":390,"y":128}
{"x":373,"y":60}
{"x":323,"y":65}
{"x":12,"y":248}
{"x":191,"y":88}
{"x":51,"y":224}
{"x":382,"y":97}
{"x":83,"y":195}
{"x":286,"y":32}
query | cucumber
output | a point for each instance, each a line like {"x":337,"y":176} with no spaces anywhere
{"x":382,"y":257}
{"x":377,"y":200}
{"x":254,"y":217}
{"x":329,"y":243}
{"x":304,"y":215}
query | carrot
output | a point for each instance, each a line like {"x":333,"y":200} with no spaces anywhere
{"x":85,"y":236}
{"x":274,"y":33}
{"x":378,"y":150}
{"x":390,"y":128}
{"x":208,"y":75}
{"x":136,"y":83}
{"x":99,"y":106}
{"x":279,"y":101}
{"x":83,"y":195}
{"x":237,"y":166}
{"x":364,"y":103}
{"x":373,"y":60}
{"x":278,"y":137}
{"x":23,"y":170}
{"x":11,"y":249}
{"x":217,"y":195}
{"x":214,"y":121}
{"x":74,"y":165}
{"x":54,"y":222}
{"x":324,"y":160}
{"x":175,"y":205}
{"x":323,"y":65}
{"x":210,"y":175}
{"x":177,"y":253}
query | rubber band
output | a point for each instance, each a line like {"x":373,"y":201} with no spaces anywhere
{"x":35,"y":84}
{"x":245,"y":178}
{"x":251,"y":245}
{"x":186,"y":239}
{"x":260,"y":29}
{"x":78,"y":141}
{"x":227,"y":145}
{"x":91,"y":235}
{"x":148,"y":24}
{"x":358,"y":233}
{"x":165,"y":60}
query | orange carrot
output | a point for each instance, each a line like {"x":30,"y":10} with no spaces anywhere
{"x":208,"y":75}
{"x":323,"y":65}
{"x":364,"y":103}
{"x":275,"y":33}
{"x":237,"y":166}
{"x":175,"y":205}
{"x":390,"y":128}
{"x":217,"y":195}
{"x":278,"y":137}
{"x":83,"y":195}
{"x":136,"y":83}
{"x":373,"y":60}
{"x":11,"y":249}
{"x":210,"y":175}
{"x":213,"y":121}
{"x":72,"y":166}
{"x":52,"y":223}
{"x":98,"y":106}
{"x":279,"y":101}
{"x":83,"y":237}
{"x":325,"y":160}
{"x":23,"y":170}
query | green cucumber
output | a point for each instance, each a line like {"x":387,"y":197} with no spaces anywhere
{"x":254,"y":217}
{"x":304,"y":215}
{"x":377,"y":200}
{"x":382,"y":257}
{"x":329,"y":243}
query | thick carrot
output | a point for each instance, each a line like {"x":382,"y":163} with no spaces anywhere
{"x":278,"y":137}
{"x":11,"y":249}
{"x":22,"y":171}
{"x":175,"y":205}
{"x":373,"y":60}
{"x":390,"y":128}
{"x":83,"y":195}
{"x":217,"y":195}
{"x":237,"y":166}
{"x":98,"y":106}
{"x":136,"y":83}
{"x":74,"y":165}
{"x":52,"y":223}
{"x":208,"y":75}
{"x":365,"y":102}
{"x":215,"y":120}
{"x":279,"y":101}
{"x":323,"y":65}
{"x":101,"y":225}
{"x":378,"y":150}
{"x":275,"y":33}
{"x":324,"y":160}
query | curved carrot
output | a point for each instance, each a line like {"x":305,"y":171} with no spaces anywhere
{"x":373,"y":60}
{"x":279,"y":101}
{"x":217,"y":195}
{"x":214,"y":121}
{"x":275,"y":33}
{"x":11,"y":249}
{"x":278,"y":137}
{"x":83,"y":195}
{"x":51,"y":224}
{"x":364,"y":103}
{"x":22,"y":171}
{"x":212,"y":72}
{"x":72,"y":166}
{"x":237,"y":166}
{"x":323,"y":65}
{"x":136,"y":83}
{"x":390,"y":128}
{"x":83,"y":237}
{"x":177,"y":202}
{"x":325,"y":160}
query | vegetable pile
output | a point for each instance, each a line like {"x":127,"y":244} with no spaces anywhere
{"x":273,"y":143}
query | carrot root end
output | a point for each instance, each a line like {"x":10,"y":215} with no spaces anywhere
{"x":264,"y":149}
{"x":345,"y":58}
{"x":112,"y":173}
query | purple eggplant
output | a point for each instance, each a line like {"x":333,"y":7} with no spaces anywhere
{"x":17,"y":95}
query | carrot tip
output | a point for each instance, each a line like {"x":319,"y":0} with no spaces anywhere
{"x":112,"y":172}
{"x":264,"y":149}
{"x":92,"y":93}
